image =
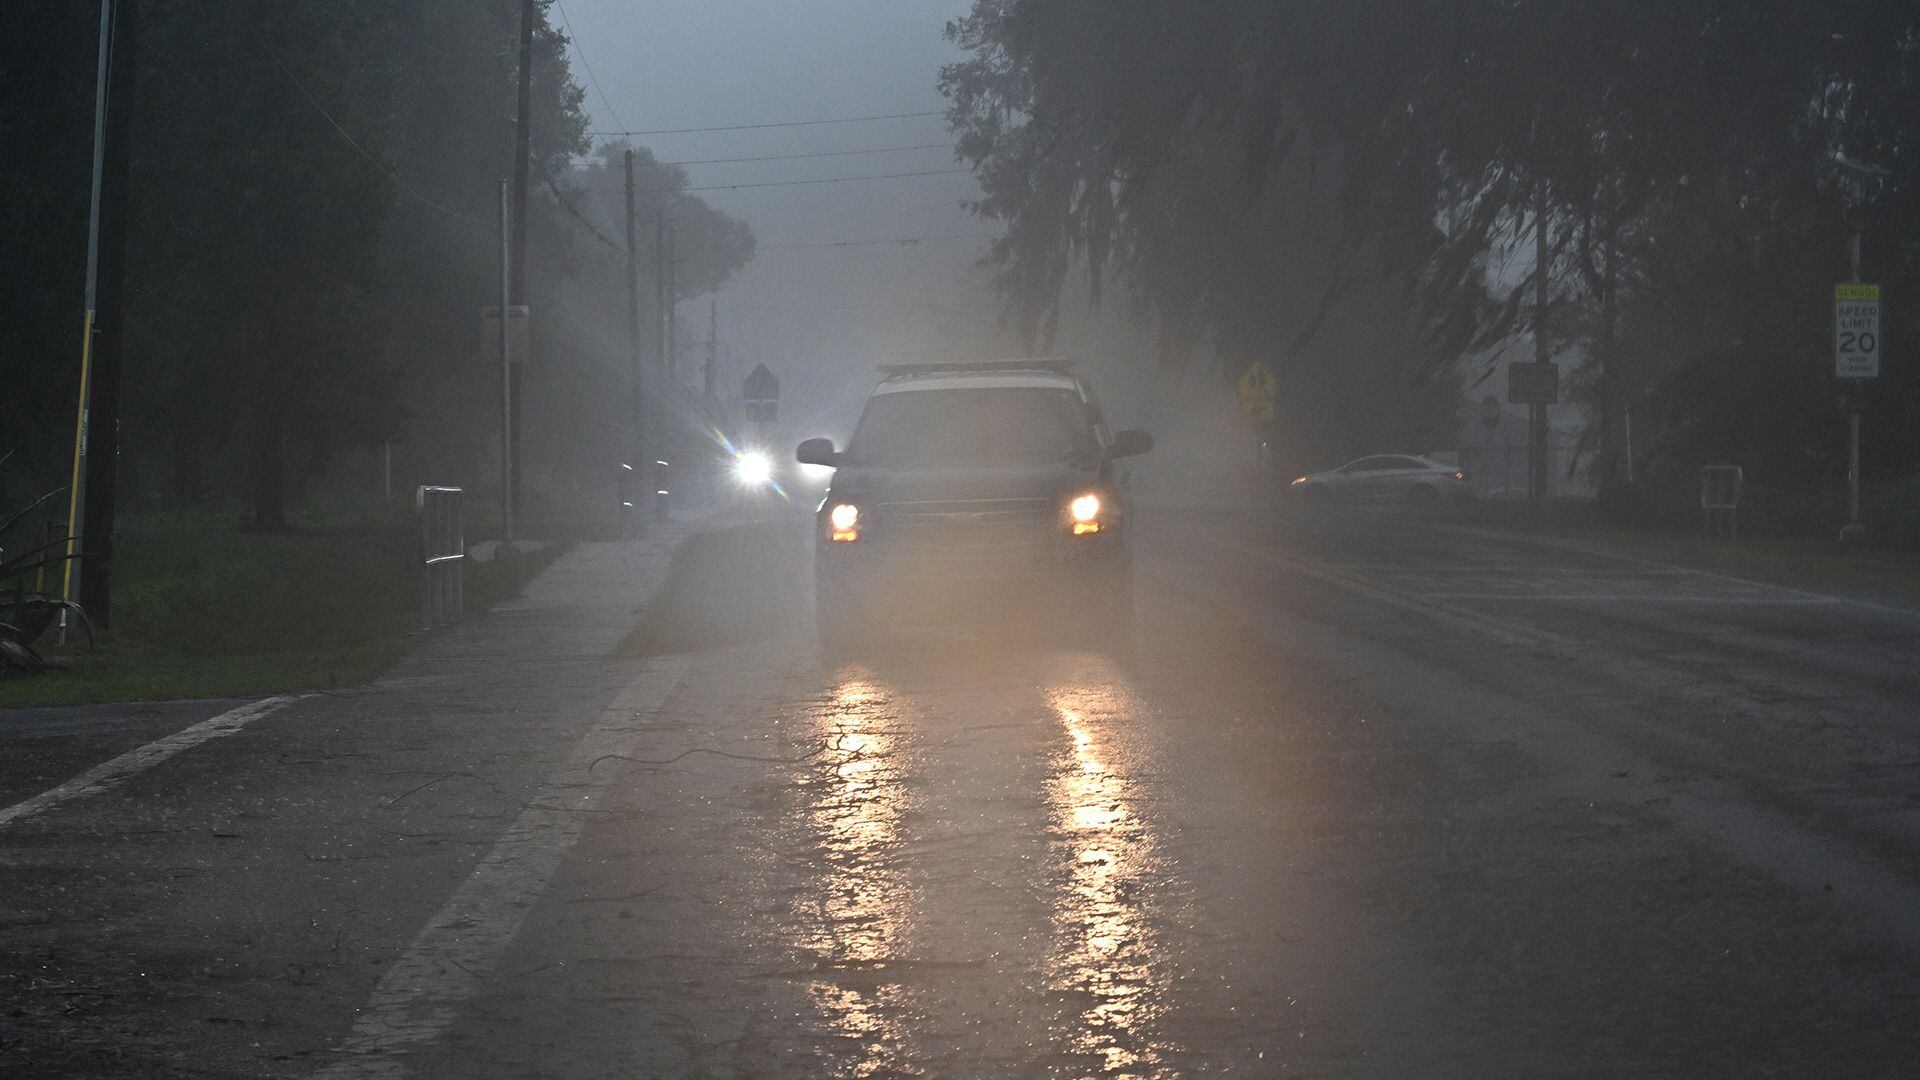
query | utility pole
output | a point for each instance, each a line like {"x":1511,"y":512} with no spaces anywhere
{"x":86,"y":578}
{"x":522,"y":142}
{"x":711,"y":389}
{"x":110,"y":321}
{"x":636,"y":398}
{"x":673,"y":300}
{"x":507,"y":438}
{"x":660,"y":288}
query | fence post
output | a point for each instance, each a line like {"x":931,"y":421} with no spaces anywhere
{"x":443,"y":551}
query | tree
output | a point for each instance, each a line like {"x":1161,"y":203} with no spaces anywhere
{"x":46,"y":107}
{"x":316,"y":225}
{"x":1249,"y":168}
{"x":1195,"y":154}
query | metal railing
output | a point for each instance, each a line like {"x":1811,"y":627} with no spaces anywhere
{"x":443,"y":554}
{"x":1720,"y":488}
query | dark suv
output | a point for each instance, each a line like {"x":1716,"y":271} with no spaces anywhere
{"x":981,"y":492}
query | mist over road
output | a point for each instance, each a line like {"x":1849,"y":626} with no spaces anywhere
{"x":1373,"y":797}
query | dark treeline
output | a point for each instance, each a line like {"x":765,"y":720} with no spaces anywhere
{"x":313,"y":206}
{"x":1347,"y":191}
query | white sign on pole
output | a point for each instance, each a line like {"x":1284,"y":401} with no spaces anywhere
{"x":1856,"y":331}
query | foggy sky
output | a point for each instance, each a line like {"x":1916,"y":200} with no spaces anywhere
{"x":817,"y":316}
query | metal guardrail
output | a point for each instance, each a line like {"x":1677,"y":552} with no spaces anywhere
{"x":1720,"y":490}
{"x":443,"y":554}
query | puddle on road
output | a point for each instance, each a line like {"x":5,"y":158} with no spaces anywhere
{"x":866,"y":905}
{"x":1099,"y":881}
{"x":1107,"y":950}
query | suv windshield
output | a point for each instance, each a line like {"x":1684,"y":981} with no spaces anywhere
{"x":988,"y":426}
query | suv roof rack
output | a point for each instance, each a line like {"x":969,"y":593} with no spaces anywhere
{"x":1051,"y":364}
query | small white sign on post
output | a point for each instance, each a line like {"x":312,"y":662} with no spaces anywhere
{"x":1856,"y":331}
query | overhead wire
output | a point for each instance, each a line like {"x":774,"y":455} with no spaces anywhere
{"x":902,"y":241}
{"x":777,"y":124}
{"x":573,"y":40}
{"x":388,"y":171}
{"x":781,"y":157}
{"x":826,"y":180}
{"x":401,"y":183}
{"x":574,"y":212}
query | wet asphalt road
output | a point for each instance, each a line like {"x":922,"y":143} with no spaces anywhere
{"x":1372,"y":797}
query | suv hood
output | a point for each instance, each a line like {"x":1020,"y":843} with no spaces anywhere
{"x":876,"y":484}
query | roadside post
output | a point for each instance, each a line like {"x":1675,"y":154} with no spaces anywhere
{"x":1535,"y":385}
{"x":1856,"y":358}
{"x":503,"y":349}
{"x":443,"y":554}
{"x":1720,"y":489}
{"x":1491,"y":412}
{"x":625,"y":485}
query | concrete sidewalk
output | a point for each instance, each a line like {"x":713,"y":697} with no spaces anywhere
{"x":583,"y":605}
{"x":580,"y":608}
{"x":270,"y":873}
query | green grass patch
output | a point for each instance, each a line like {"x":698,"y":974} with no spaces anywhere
{"x":202,"y":609}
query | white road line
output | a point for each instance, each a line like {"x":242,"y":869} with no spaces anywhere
{"x":420,"y":995}
{"x":1638,"y":598}
{"x":1423,"y":569}
{"x":107,"y":774}
{"x":1600,"y":768}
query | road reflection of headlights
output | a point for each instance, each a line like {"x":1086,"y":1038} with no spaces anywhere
{"x":752,"y":468}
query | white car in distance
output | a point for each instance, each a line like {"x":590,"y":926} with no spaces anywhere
{"x":1387,"y":476}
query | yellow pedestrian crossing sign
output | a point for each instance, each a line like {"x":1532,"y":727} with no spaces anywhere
{"x":1258,"y":390}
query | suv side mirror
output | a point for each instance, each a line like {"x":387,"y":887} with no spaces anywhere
{"x":1130,"y":444}
{"x":817,"y":452}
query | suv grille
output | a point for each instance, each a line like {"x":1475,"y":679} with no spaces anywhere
{"x":989,"y":530}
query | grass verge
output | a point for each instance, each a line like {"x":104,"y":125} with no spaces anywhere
{"x":204,"y":610}
{"x":1780,"y":548}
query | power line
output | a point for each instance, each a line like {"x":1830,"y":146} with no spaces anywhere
{"x":574,"y":212}
{"x":759,"y":127}
{"x":827,"y":180}
{"x":574,"y":40}
{"x":387,"y":170}
{"x":780,"y":157}
{"x":903,"y":241}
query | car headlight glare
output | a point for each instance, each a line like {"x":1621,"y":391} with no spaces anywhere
{"x":752,"y":468}
{"x":1085,"y":508}
{"x":844,"y":517}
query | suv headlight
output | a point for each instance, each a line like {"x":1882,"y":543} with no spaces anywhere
{"x":844,"y":520}
{"x":1085,"y":513}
